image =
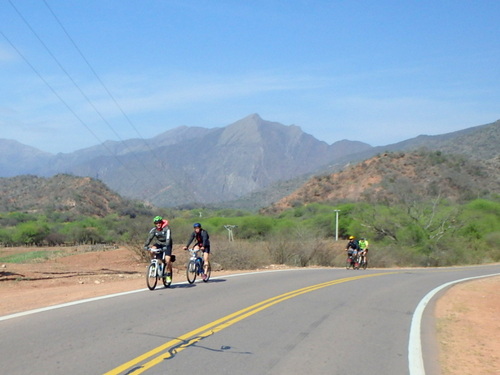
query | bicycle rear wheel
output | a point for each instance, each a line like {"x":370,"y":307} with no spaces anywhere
{"x":208,"y":273}
{"x":151,"y":277}
{"x":191,"y":272}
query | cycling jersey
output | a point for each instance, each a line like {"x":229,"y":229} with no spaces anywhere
{"x":202,"y":239}
{"x":353,"y":244}
{"x":162,"y":237}
{"x":363,"y":244}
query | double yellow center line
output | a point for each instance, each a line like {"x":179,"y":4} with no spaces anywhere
{"x":171,"y":348}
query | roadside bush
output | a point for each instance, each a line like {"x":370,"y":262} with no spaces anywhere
{"x":298,"y":246}
{"x":55,"y":239}
{"x":240,"y":255}
{"x":5,"y":237}
{"x":30,"y":233}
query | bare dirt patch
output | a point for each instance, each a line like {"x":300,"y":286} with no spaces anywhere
{"x":467,"y":315}
{"x":468,"y":328}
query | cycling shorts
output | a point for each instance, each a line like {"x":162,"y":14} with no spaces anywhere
{"x":205,"y":250}
{"x":165,"y":250}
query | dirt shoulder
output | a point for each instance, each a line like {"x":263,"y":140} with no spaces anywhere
{"x":467,"y":315}
{"x":467,"y":328}
{"x":72,"y":274}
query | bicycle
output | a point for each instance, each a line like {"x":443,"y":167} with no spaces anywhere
{"x":352,"y":260}
{"x":154,"y":272}
{"x":195,"y":267}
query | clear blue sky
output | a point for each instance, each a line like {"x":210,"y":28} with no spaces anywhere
{"x":375,"y":71}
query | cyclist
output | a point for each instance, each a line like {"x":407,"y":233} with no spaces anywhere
{"x":202,"y":242}
{"x":363,"y":249}
{"x":352,"y":246}
{"x":162,"y":236}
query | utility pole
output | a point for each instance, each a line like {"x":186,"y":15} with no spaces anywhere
{"x":336,"y":224}
{"x":230,"y":231}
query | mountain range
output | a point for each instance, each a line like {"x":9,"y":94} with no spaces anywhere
{"x":227,"y":164}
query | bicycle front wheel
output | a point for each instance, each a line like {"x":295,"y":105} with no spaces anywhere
{"x":151,"y":277}
{"x":356,"y":264}
{"x":191,"y":272}
{"x":348,"y":263}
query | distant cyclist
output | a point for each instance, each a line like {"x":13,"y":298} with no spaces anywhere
{"x":352,"y":246}
{"x":363,"y":248}
{"x":201,"y":242}
{"x":161,"y":236}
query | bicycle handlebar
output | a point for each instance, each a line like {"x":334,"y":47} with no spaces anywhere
{"x":154,"y":250}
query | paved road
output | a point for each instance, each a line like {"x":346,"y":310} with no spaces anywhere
{"x":316,"y":321}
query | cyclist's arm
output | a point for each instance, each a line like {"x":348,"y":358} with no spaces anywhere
{"x":191,"y":238}
{"x":149,"y":239}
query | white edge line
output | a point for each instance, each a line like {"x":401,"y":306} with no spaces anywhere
{"x":415,"y":357}
{"x":67,"y":304}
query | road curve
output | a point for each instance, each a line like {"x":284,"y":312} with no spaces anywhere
{"x":323,"y":321}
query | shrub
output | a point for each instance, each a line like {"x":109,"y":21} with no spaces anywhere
{"x":240,"y":255}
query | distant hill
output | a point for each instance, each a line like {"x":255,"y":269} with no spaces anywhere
{"x":200,"y":165}
{"x":394,"y":177}
{"x":478,"y":142}
{"x":253,"y":162}
{"x":66,"y":194}
{"x":17,"y":159}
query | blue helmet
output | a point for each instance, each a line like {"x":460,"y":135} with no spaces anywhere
{"x":196,"y":225}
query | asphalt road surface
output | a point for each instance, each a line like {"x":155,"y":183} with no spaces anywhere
{"x":308,"y":321}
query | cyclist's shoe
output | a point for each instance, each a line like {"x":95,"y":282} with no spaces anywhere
{"x":169,"y":279}
{"x":204,"y":277}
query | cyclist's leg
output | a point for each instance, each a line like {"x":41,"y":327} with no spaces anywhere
{"x":159,"y":255}
{"x":151,"y":254}
{"x":206,"y":259}
{"x":167,"y":253}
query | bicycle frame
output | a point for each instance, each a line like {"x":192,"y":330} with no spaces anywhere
{"x":198,"y":259}
{"x":195,"y":266}
{"x":155,"y":271}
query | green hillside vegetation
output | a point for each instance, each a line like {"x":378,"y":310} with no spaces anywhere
{"x":434,"y":233}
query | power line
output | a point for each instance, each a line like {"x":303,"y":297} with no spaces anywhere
{"x":146,"y":168}
{"x":69,"y":76}
{"x":97,"y":77}
{"x":107,"y":90}
{"x":162,"y":164}
{"x":63,"y":101}
{"x":81,"y":92}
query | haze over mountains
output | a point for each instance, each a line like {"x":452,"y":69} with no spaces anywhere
{"x":193,"y":164}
